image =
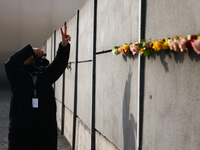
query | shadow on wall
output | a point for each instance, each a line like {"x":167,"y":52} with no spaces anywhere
{"x":178,"y":57}
{"x":129,"y":124}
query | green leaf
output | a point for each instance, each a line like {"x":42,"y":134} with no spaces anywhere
{"x":69,"y":65}
{"x":116,"y":47}
{"x":140,"y":45}
{"x":142,"y":40}
{"x":147,"y":52}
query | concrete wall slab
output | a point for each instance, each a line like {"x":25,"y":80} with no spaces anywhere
{"x":103,"y":143}
{"x":68,"y":128}
{"x":168,"y":19}
{"x":69,"y":87}
{"x":171,"y":82}
{"x":84,"y":93}
{"x":71,"y":30}
{"x":171,"y":105}
{"x":116,"y":99}
{"x":59,"y":113}
{"x":83,"y":136}
{"x":48,"y":48}
{"x":117,"y":23}
{"x":86,"y":32}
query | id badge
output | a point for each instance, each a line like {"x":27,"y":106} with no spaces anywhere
{"x":35,"y":102}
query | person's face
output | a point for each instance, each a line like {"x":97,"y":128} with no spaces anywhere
{"x":28,"y":61}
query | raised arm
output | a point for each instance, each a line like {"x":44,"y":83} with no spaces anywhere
{"x":57,"y":67}
{"x":15,"y":62}
{"x":20,"y":58}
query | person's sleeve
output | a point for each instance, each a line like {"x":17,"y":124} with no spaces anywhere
{"x":14,"y":63}
{"x":57,"y":67}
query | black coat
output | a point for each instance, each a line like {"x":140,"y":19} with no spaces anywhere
{"x":33,"y":128}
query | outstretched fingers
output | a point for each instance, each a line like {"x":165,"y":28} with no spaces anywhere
{"x":61,"y":30}
{"x":65,"y":30}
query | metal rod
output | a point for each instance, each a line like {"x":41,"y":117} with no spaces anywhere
{"x":141,"y":74}
{"x":63,"y":101}
{"x":75,"y":83}
{"x":93,"y":146}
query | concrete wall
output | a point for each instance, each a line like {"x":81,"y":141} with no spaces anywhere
{"x":70,"y":81}
{"x":116,"y":102}
{"x":171,"y":84}
{"x":171,"y":100}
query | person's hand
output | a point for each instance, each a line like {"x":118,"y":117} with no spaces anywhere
{"x":65,"y":38}
{"x":38,"y":52}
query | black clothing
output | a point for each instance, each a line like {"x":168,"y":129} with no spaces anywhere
{"x":33,"y":128}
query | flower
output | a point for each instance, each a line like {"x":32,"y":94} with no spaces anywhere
{"x":170,"y":44}
{"x":196,"y":46}
{"x":182,"y":44}
{"x":165,"y":45}
{"x":134,"y":47}
{"x":125,"y":49}
{"x":115,"y":51}
{"x":174,"y":44}
{"x":120,"y":49}
{"x":157,"y":45}
{"x":193,"y":37}
{"x":142,"y":50}
{"x":147,"y":45}
{"x":190,"y":38}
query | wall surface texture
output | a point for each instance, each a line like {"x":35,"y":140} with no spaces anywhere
{"x":101,"y":91}
{"x":171,"y":100}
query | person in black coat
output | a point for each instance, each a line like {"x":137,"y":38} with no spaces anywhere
{"x":32,"y":114}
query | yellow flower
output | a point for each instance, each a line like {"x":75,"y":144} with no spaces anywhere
{"x":165,"y":45}
{"x":157,"y":45}
{"x":198,"y":37}
{"x":120,"y":49}
{"x":126,"y":48}
{"x":142,"y":50}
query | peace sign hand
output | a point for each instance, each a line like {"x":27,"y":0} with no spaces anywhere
{"x":65,"y":38}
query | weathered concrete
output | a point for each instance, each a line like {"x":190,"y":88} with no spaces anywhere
{"x":70,"y":73}
{"x":84,"y":96}
{"x":116,"y":90}
{"x":69,"y":87}
{"x":59,"y":113}
{"x":49,"y":48}
{"x":171,"y":108}
{"x":83,"y":137}
{"x":103,"y":143}
{"x":68,"y":128}
{"x":116,"y":99}
{"x":117,"y":23}
{"x":171,"y":102}
{"x":71,"y":30}
{"x":169,"y":19}
{"x":86,"y":32}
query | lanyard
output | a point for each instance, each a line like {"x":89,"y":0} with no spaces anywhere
{"x":34,"y":78}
